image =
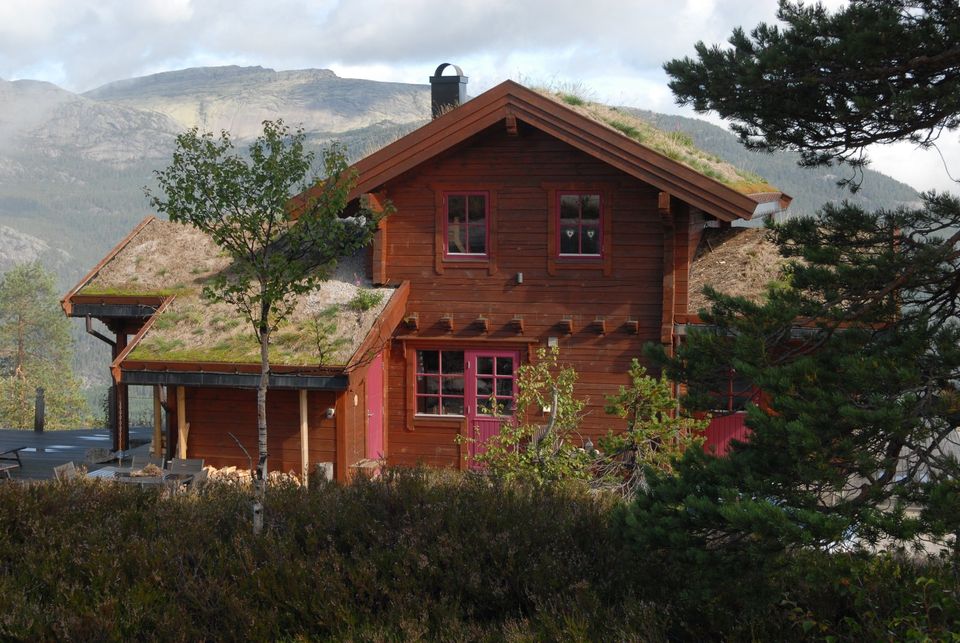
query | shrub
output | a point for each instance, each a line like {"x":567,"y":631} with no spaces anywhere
{"x":364,"y":300}
{"x":413,"y":555}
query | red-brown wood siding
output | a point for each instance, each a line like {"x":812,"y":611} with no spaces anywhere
{"x":722,"y":430}
{"x":522,"y":169}
{"x":214,"y":412}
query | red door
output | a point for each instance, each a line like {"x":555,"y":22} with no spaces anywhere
{"x":491,"y":390}
{"x":375,"y":409}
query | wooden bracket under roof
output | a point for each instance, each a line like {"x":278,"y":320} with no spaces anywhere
{"x":600,"y":324}
{"x":446,"y":322}
{"x":412,"y":321}
{"x":663,"y":204}
{"x":482,"y":323}
{"x":517,"y":324}
{"x":511,"y":122}
{"x":566,"y":324}
{"x":632,"y":326}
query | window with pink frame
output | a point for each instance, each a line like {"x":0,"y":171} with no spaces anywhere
{"x":580,"y":229}
{"x":466,"y":224}
{"x":472,"y":383}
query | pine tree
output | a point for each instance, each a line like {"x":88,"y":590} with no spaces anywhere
{"x":827,"y":85}
{"x":36,"y":352}
{"x":857,"y":352}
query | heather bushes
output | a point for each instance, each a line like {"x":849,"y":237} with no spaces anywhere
{"x":417,"y":555}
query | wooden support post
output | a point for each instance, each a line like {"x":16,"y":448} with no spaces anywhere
{"x":669,"y":272}
{"x":120,"y":427}
{"x":304,"y":439}
{"x":39,"y":413}
{"x":157,"y":450}
{"x":183,"y":429}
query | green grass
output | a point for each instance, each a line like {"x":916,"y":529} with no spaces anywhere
{"x":131,"y":291}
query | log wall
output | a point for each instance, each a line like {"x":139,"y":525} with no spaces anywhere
{"x":214,"y":412}
{"x":519,"y":171}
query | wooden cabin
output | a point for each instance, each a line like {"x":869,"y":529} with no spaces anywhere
{"x":522,"y":220}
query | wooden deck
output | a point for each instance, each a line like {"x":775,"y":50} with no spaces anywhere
{"x":44,"y":451}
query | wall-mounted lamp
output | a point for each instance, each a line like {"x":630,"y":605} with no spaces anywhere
{"x":519,"y":277}
{"x":329,"y":413}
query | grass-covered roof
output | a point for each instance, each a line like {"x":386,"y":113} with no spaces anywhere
{"x":163,"y":258}
{"x":675,"y":145}
{"x":734,"y":261}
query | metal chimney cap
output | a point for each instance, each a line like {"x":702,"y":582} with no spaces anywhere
{"x":440,"y":69}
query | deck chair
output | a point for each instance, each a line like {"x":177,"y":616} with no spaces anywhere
{"x":65,"y":472}
{"x":185,"y":465}
{"x":191,"y":466}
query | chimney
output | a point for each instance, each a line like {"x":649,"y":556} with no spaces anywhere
{"x":447,"y":92}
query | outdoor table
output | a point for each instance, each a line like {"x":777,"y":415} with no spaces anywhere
{"x":11,"y":461}
{"x":107,"y":473}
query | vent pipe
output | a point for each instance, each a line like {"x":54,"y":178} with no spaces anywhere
{"x":447,"y":92}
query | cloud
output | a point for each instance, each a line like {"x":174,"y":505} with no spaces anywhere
{"x":614,"y":47}
{"x":95,"y":42}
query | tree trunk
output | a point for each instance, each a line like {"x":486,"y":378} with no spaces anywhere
{"x":261,"y":476}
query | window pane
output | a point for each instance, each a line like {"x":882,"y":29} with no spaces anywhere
{"x":590,"y":207}
{"x":452,"y":362}
{"x":428,"y":361}
{"x":569,"y":244}
{"x":478,"y":239}
{"x":505,"y":387}
{"x":569,"y":207}
{"x":485,"y":365}
{"x":453,"y":406}
{"x":484,"y":406}
{"x":504,"y":366}
{"x":428,"y":405}
{"x":478,"y":207}
{"x":456,"y":238}
{"x":428,"y":384}
{"x":456,"y":205}
{"x":453,"y":385}
{"x":590,"y":242}
{"x":484,"y":387}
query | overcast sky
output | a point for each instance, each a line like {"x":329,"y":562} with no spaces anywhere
{"x":612,"y":48}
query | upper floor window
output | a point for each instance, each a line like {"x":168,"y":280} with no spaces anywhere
{"x":466,"y":223}
{"x":580,"y":227}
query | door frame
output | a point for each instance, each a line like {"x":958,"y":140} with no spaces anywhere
{"x":471,"y":377}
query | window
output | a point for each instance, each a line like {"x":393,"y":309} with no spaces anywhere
{"x":440,"y":389}
{"x":495,"y":384}
{"x":473,"y":383}
{"x":580,"y":226}
{"x":466,"y":224}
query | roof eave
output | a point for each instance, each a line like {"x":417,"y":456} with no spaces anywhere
{"x":67,"y":302}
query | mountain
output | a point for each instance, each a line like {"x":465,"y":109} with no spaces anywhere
{"x":239,"y":99}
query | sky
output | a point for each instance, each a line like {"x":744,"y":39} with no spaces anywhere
{"x":613,"y":50}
